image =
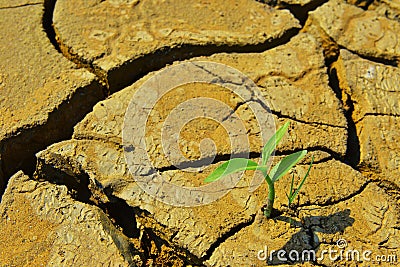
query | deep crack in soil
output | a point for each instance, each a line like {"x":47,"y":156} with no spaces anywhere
{"x":352,"y":156}
{"x":300,"y":12}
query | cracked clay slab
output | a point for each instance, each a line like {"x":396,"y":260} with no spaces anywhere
{"x":108,"y":34}
{"x":372,"y":87}
{"x":379,"y":146}
{"x":365,"y":32}
{"x":39,"y":88}
{"x":42,"y":225}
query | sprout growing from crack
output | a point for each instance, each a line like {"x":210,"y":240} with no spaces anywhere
{"x":279,"y":170}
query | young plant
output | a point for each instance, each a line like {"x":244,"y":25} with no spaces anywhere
{"x":279,"y":170}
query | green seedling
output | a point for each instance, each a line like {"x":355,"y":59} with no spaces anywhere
{"x":294,"y":192}
{"x":279,"y":170}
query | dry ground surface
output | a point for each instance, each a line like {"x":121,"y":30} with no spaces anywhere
{"x":72,"y":190}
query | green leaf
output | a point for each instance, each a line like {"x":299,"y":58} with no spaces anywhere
{"x":302,"y":181}
{"x":286,"y":164}
{"x":289,"y":199}
{"x":290,"y":191}
{"x":231,"y":166}
{"x":291,"y":185}
{"x":273,"y":142}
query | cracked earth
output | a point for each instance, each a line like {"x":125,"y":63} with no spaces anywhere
{"x":69,"y":69}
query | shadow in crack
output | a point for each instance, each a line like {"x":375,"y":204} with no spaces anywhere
{"x":47,"y":22}
{"x":300,"y":11}
{"x":352,"y":156}
{"x":303,"y":246}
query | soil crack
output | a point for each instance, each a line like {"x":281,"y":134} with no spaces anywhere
{"x":300,"y":12}
{"x":333,"y":202}
{"x":225,"y":236}
{"x":47,"y":22}
{"x":22,"y":5}
{"x":377,"y":115}
{"x":217,"y":158}
{"x":352,"y":155}
{"x":394,"y":62}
